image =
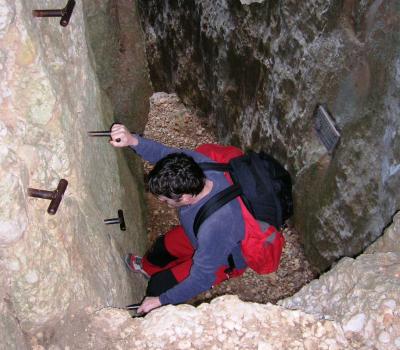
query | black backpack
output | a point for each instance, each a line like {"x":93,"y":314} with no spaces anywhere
{"x":264,"y":185}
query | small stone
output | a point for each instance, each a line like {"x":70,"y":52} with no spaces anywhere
{"x":387,"y":320}
{"x":264,"y":346}
{"x":397,"y":342}
{"x":355,"y":324}
{"x":384,"y":337}
{"x":32,"y":277}
{"x":184,"y":344}
{"x":221,"y":337}
{"x":229,"y":325}
{"x":319,"y":331}
{"x":390,"y":303}
{"x":13,"y":265}
{"x":52,"y":224}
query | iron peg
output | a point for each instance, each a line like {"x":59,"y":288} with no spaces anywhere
{"x":119,"y":220}
{"x":55,"y":196}
{"x":132,"y":307}
{"x":64,"y":13}
{"x":101,"y":133}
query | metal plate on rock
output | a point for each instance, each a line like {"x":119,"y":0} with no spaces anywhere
{"x":326,"y":129}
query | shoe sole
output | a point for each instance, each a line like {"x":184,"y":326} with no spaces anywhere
{"x":127,"y":260}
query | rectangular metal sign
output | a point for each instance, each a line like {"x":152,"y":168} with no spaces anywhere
{"x":326,"y":129}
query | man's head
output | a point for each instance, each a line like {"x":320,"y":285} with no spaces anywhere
{"x":176,"y":179}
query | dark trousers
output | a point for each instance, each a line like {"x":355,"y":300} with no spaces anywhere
{"x":169,"y":261}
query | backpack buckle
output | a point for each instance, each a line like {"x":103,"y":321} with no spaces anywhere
{"x":283,"y":227}
{"x":228,"y":272}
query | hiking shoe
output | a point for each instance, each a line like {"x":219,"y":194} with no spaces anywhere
{"x":134,"y":263}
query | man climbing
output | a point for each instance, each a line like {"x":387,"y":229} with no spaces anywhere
{"x":180,"y":266}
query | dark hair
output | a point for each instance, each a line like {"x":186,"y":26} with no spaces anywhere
{"x":175,"y":175}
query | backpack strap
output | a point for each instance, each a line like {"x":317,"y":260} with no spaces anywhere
{"x":211,"y":206}
{"x":225,"y":167}
{"x":214,"y":166}
{"x":231,"y":264}
{"x":215,"y":203}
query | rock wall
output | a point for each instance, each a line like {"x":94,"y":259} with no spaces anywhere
{"x":259,"y":68}
{"x":117,"y":41}
{"x":361,"y":294}
{"x":54,"y":266}
{"x":356,"y":305}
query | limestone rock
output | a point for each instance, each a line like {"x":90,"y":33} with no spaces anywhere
{"x":389,"y":242}
{"x":225,"y":323}
{"x":117,"y":41}
{"x":258,"y":71}
{"x":12,"y":337}
{"x":361,"y":294}
{"x":52,"y":267}
{"x":353,"y":306}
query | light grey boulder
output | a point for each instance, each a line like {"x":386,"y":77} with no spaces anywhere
{"x":361,"y":294}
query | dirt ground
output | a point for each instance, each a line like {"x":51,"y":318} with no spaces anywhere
{"x":171,"y":123}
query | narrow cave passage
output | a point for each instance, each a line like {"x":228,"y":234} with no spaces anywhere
{"x":172,"y":123}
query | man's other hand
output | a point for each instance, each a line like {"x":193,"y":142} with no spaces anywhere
{"x":148,"y":304}
{"x":120,"y":132}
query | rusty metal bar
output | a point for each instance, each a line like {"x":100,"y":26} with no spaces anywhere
{"x":64,"y":13}
{"x":111,"y":221}
{"x":119,"y":220}
{"x":101,"y":133}
{"x":132,"y":307}
{"x":47,"y":13}
{"x":33,"y":192}
{"x":55,"y":196}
